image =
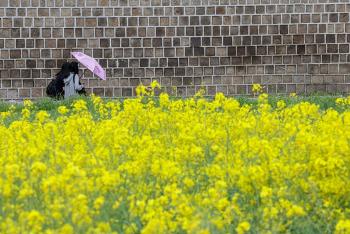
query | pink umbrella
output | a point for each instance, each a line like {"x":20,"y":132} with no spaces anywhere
{"x":91,"y":64}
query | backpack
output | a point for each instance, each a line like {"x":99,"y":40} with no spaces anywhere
{"x":54,"y":89}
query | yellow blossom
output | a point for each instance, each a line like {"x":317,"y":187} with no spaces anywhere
{"x":243,"y":227}
{"x":257,"y":88}
{"x":343,"y":227}
{"x":62,"y":110}
{"x":195,"y":165}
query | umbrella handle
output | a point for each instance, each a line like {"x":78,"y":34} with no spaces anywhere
{"x":80,"y":77}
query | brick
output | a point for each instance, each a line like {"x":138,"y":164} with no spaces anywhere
{"x":333,"y":69}
{"x":71,"y":43}
{"x":344,"y":68}
{"x":344,"y":48}
{"x":220,"y":10}
{"x":311,"y":49}
{"x":277,"y":40}
{"x":315,"y":88}
{"x":283,"y":29}
{"x":15,"y":32}
{"x":301,"y":49}
{"x":333,"y":17}
{"x":317,"y":80}
{"x":270,"y":9}
{"x":272,"y":29}
{"x":332,"y":48}
{"x":298,"y":39}
{"x":242,"y":89}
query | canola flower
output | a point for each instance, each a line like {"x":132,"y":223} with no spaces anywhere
{"x":176,"y":166}
{"x":257,"y":88}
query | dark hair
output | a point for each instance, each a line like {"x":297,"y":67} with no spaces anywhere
{"x":74,"y":67}
{"x":64,"y":72}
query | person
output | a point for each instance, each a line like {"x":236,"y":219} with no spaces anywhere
{"x":55,"y":87}
{"x":71,"y":83}
{"x":75,"y":70}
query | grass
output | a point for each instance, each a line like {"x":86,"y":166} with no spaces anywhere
{"x":51,"y":105}
{"x":324,"y":102}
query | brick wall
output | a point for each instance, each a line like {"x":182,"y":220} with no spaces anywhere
{"x":221,"y":45}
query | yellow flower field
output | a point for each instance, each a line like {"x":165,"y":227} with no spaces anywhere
{"x":177,"y":166}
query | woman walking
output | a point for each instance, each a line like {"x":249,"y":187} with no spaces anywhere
{"x":72,"y":85}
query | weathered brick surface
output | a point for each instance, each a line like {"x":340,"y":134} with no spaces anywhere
{"x":224,"y":46}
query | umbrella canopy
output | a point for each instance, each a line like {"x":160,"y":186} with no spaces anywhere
{"x":91,"y":64}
